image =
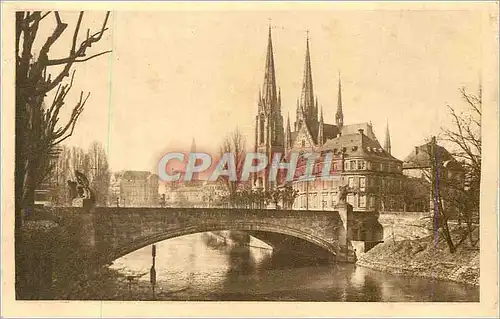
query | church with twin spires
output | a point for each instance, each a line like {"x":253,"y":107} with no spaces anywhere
{"x":359,"y":160}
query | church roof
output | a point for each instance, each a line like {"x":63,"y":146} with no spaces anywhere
{"x":329,"y":131}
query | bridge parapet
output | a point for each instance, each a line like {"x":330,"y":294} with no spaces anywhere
{"x":117,"y":231}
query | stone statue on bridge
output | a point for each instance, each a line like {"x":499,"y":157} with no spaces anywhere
{"x":80,"y":192}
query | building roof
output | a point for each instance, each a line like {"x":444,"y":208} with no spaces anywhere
{"x":354,"y":129}
{"x":330,"y":130}
{"x":358,"y":144}
{"x":420,"y":157}
{"x":136,"y":175}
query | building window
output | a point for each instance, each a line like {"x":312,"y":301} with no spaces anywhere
{"x":368,"y":165}
{"x":362,"y":184}
{"x":352,"y":165}
{"x":350,"y":182}
{"x":381,"y":167}
{"x":362,"y":200}
{"x":372,"y":201}
{"x":325,"y":185}
{"x":324,"y":202}
{"x":334,"y":198}
{"x":346,"y":165}
{"x":335,"y":166}
{"x":361,"y":164}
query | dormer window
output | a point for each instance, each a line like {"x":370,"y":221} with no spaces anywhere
{"x":354,"y":148}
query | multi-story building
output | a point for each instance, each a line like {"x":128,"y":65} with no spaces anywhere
{"x":417,"y":166}
{"x":195,"y":194}
{"x":134,"y":189}
{"x":371,"y":173}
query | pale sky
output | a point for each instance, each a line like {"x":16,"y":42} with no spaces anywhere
{"x":174,"y":76}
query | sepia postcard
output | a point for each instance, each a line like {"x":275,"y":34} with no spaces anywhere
{"x":249,"y":159}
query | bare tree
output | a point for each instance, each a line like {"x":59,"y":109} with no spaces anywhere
{"x":60,"y":176}
{"x":465,"y":137}
{"x":79,"y":161}
{"x":438,"y":189}
{"x":99,"y":173}
{"x":38,"y":127}
{"x":234,"y":143}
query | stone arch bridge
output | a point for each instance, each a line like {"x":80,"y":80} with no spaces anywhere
{"x":116,"y":231}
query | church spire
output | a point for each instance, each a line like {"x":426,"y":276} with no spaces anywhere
{"x":339,"y":116}
{"x":288,"y":133}
{"x":307,"y":94}
{"x":269,"y":90}
{"x":387,"y":144}
{"x":321,"y":131}
{"x":193,"y":146}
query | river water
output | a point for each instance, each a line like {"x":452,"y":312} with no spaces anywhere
{"x":200,"y":267}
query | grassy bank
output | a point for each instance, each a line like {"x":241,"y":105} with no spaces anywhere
{"x":422,"y":258}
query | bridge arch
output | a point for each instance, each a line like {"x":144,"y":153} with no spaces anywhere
{"x":144,"y":241}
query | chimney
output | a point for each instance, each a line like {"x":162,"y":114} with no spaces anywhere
{"x":416,"y":150}
{"x":360,"y":131}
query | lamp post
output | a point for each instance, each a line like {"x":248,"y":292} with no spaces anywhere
{"x":153,"y":270}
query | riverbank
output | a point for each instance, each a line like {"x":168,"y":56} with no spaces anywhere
{"x":422,"y":258}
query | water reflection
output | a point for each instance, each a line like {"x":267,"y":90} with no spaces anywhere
{"x":204,"y":267}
